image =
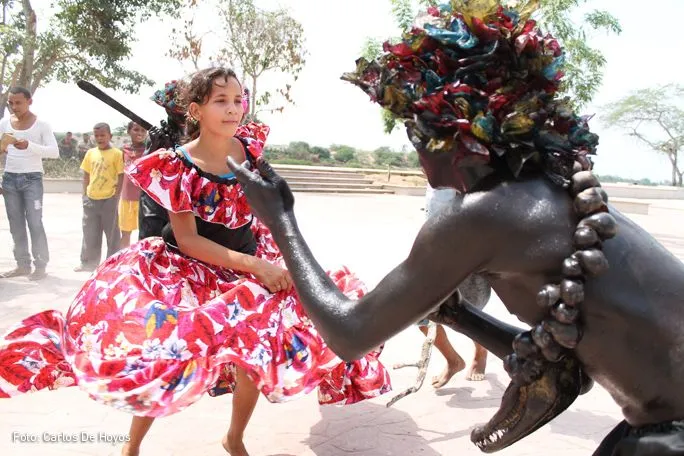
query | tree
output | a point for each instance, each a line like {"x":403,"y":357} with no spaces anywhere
{"x":655,"y":118}
{"x":344,"y":154}
{"x":263,"y":41}
{"x":81,"y":39}
{"x":583,"y":67}
{"x":321,"y":152}
{"x":272,"y":153}
{"x":120,"y":130}
{"x":384,"y":156}
{"x":412,"y":159}
{"x":299,"y":150}
{"x":186,"y":44}
{"x":254,"y":42}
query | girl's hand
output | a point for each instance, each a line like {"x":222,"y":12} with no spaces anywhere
{"x":275,"y":279}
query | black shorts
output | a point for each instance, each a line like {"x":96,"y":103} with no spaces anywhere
{"x":665,"y":439}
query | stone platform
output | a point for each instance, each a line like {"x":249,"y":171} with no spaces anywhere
{"x":370,"y":234}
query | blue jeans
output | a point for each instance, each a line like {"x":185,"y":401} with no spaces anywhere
{"x":23,"y":194}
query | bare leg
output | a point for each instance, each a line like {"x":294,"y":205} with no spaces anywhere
{"x":454,"y":361}
{"x":477,"y":370}
{"x":244,"y":400}
{"x":139,"y":427}
{"x":125,"y":239}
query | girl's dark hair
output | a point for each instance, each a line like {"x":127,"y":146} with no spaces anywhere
{"x":198,"y":90}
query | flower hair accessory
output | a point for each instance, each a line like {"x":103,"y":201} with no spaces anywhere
{"x":168,"y":98}
{"x":245,"y":100}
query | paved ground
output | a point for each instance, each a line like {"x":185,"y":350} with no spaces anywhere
{"x":370,"y":234}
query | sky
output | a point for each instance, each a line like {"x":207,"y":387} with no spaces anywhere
{"x":330,"y":111}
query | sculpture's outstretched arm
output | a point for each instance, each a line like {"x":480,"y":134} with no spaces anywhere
{"x":461,"y":316}
{"x":429,"y":275}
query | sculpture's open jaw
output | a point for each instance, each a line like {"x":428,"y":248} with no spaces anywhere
{"x":526,"y":408}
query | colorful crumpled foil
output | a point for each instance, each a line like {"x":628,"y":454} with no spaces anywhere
{"x":479,"y":78}
{"x":168,"y":98}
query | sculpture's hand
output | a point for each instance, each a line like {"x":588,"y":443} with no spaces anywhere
{"x":268,"y":194}
{"x":159,"y":138}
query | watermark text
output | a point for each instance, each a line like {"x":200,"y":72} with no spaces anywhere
{"x":69,"y":437}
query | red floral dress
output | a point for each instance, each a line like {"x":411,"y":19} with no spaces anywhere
{"x":153,"y":330}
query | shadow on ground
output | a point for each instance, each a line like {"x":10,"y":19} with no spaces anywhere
{"x":367,"y":429}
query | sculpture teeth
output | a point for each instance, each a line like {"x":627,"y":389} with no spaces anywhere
{"x":492,"y":438}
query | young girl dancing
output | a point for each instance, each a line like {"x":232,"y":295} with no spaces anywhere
{"x":206,"y":308}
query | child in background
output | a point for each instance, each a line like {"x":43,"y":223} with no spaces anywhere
{"x":130,"y":194}
{"x":102,"y":182}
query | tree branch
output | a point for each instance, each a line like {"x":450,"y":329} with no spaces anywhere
{"x":2,"y":73}
{"x":29,"y":46}
{"x":643,"y":138}
{"x":15,"y":76}
{"x":5,"y":55}
{"x":667,"y":130}
{"x":39,"y":75}
{"x":5,"y":95}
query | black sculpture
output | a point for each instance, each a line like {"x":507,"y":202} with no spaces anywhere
{"x":476,"y":89}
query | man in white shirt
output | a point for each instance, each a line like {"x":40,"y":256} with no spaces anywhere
{"x":29,"y":141}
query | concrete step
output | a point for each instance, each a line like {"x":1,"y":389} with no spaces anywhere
{"x":318,"y":184}
{"x":330,"y":180}
{"x":359,"y":191}
{"x":319,"y":169}
{"x":338,"y":169}
{"x":322,"y":174}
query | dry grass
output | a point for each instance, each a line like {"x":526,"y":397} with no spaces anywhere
{"x":408,"y":181}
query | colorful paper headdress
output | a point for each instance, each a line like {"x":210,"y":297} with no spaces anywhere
{"x":480,"y":80}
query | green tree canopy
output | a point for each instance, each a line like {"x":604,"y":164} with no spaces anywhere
{"x":76,"y":39}
{"x":299,"y":150}
{"x":343,"y":154}
{"x":321,"y":152}
{"x":384,"y":156}
{"x":254,"y":42}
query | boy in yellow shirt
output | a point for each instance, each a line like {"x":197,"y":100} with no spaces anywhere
{"x":103,"y":168}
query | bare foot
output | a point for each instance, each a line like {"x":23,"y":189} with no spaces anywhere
{"x":234,"y":447}
{"x":477,"y":370}
{"x":449,"y":371}
{"x":475,"y":374}
{"x":127,"y":450}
